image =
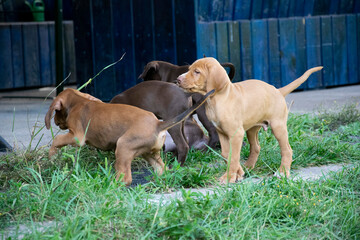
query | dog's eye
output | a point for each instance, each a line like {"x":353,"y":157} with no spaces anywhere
{"x":197,"y":71}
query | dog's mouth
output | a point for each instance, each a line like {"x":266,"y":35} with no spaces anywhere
{"x":193,"y":90}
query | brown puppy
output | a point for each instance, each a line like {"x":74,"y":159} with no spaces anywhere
{"x":239,"y":107}
{"x":195,"y":137}
{"x":166,"y":101}
{"x":167,"y":72}
{"x":128,"y":130}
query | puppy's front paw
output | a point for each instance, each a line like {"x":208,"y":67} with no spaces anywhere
{"x":232,"y":177}
{"x":249,"y":164}
{"x":281,"y":174}
{"x":52,"y":152}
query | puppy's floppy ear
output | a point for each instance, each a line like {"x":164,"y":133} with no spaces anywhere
{"x":217,"y":77}
{"x":55,"y":105}
{"x":151,"y":66}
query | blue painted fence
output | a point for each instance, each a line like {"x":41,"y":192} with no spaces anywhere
{"x":280,"y":50}
{"x":272,"y":40}
{"x":144,"y":30}
{"x":218,"y":10}
{"x":27,"y":54}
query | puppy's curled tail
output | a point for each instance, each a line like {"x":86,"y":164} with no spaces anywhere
{"x":178,"y":119}
{"x":296,"y":83}
{"x":232,"y":69}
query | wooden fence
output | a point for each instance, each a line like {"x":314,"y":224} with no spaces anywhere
{"x":272,"y":40}
{"x":27,"y":54}
{"x":144,"y":30}
{"x":280,"y":50}
{"x":229,"y":10}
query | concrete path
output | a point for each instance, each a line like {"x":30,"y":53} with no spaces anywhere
{"x":329,"y":99}
{"x":308,"y":174}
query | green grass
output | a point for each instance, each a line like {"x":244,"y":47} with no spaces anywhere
{"x":78,"y":191}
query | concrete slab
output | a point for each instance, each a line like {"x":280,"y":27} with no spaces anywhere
{"x":329,"y":99}
{"x":22,"y":118}
{"x":307,"y":174}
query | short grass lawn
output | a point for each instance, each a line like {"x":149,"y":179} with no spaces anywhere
{"x":77,"y":191}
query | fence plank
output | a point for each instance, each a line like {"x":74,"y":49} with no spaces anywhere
{"x":242,"y":9}
{"x":164,"y":33}
{"x":309,"y":7}
{"x":52,"y":53}
{"x":256,"y":9}
{"x":222,"y":43}
{"x":123,"y":43}
{"x":358,"y":44}
{"x":206,"y":40}
{"x":292,"y":9}
{"x":204,"y":10}
{"x":17,"y":56}
{"x":346,"y":6}
{"x":300,"y":49}
{"x":69,"y":52}
{"x":185,"y":32}
{"x":83,"y":43}
{"x":334,"y":6}
{"x":103,"y":52}
{"x":234,"y":46}
{"x":217,"y":10}
{"x":274,"y":53}
{"x":352,"y":48}
{"x":45,"y":61}
{"x":246,"y":50}
{"x":313,"y":41}
{"x":339,"y":50}
{"x":283,"y":8}
{"x":228,"y":10}
{"x":321,"y":7}
{"x":143,"y":33}
{"x":327,"y":51}
{"x":31,"y":55}
{"x":260,"y":49}
{"x":299,"y":8}
{"x":5,"y":48}
{"x":287,"y":50}
{"x":270,"y":8}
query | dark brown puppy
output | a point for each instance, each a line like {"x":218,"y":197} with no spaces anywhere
{"x":128,"y":130}
{"x":195,"y":137}
{"x":165,"y":100}
{"x":167,"y":72}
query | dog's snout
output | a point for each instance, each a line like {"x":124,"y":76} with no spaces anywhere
{"x":180,"y":78}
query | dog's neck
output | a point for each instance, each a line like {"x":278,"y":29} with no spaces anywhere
{"x":221,"y":90}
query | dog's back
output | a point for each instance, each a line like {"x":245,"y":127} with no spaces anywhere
{"x":165,"y":100}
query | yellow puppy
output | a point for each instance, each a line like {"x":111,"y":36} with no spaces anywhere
{"x":236,"y":108}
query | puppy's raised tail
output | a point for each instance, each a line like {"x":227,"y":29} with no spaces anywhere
{"x":296,"y":83}
{"x":178,"y":119}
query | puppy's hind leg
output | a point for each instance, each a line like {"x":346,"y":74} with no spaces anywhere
{"x":155,"y":161}
{"x":253,"y":137}
{"x":124,"y":156}
{"x":279,"y":129}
